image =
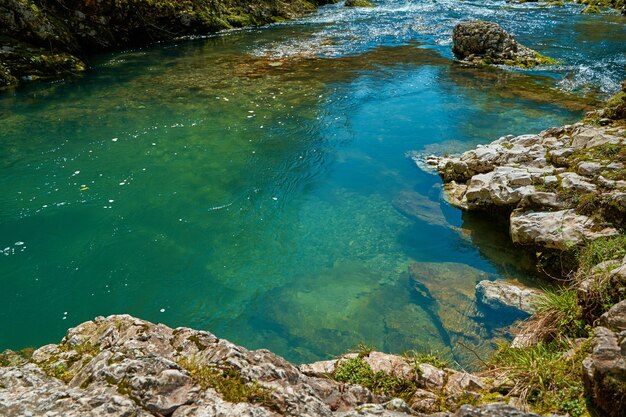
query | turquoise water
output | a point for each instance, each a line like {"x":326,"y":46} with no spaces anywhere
{"x":255,"y":184}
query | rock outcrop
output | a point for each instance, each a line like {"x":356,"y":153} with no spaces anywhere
{"x":604,"y":370}
{"x":124,"y":366}
{"x":48,"y":38}
{"x":481,"y":42}
{"x":563,"y":187}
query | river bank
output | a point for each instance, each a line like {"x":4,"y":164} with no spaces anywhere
{"x":44,"y":39}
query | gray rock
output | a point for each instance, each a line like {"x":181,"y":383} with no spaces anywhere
{"x":502,"y":295}
{"x":573,"y":181}
{"x":121,"y":354}
{"x":492,"y":410}
{"x":589,"y":168}
{"x":615,"y":318}
{"x":431,"y":377}
{"x":425,"y":402}
{"x":589,"y":137}
{"x":555,"y":230}
{"x":604,"y":371}
{"x":463,"y":382}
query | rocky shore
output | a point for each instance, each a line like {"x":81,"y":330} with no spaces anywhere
{"x":51,"y":38}
{"x":564,"y":193}
{"x":562,"y":187}
{"x":124,"y":366}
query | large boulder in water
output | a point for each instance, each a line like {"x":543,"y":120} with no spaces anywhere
{"x":483,"y":42}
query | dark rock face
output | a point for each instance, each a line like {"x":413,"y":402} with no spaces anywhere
{"x":487,"y":43}
{"x":604,"y":370}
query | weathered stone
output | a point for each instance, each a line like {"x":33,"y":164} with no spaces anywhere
{"x":559,"y":156}
{"x":542,"y":200}
{"x":556,"y":230}
{"x":462,"y":382}
{"x":615,"y":318}
{"x":501,"y":295}
{"x":424,"y":402}
{"x":487,"y":42}
{"x":589,"y":168}
{"x":604,"y":371}
{"x":589,"y":137}
{"x":390,"y":364}
{"x":431,"y":377}
{"x":573,"y":181}
{"x":141,"y":360}
{"x":319,"y":369}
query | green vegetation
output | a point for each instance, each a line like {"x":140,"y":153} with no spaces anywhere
{"x":13,"y":358}
{"x":543,"y":377}
{"x":356,"y":371}
{"x":600,"y":250}
{"x":558,"y":316}
{"x":432,"y":358}
{"x":601,"y":289}
{"x":359,"y":3}
{"x":230,"y":384}
{"x":60,"y":368}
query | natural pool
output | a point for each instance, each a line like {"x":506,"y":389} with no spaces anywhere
{"x":255,"y":183}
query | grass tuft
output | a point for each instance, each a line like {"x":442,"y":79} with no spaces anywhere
{"x":544,"y":378}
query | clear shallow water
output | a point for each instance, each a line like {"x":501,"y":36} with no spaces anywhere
{"x":255,"y":183}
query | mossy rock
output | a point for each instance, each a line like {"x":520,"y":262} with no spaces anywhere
{"x":21,"y":61}
{"x":359,"y":3}
{"x":591,"y":9}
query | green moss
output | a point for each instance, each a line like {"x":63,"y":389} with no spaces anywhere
{"x":230,"y":384}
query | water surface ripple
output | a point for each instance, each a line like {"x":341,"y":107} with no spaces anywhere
{"x":255,"y":183}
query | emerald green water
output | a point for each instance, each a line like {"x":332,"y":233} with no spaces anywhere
{"x":255,"y":184}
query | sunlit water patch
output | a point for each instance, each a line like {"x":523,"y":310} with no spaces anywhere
{"x":255,"y":184}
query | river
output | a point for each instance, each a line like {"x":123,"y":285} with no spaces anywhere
{"x":256,"y":183}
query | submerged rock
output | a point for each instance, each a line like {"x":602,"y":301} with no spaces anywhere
{"x":447,"y":290}
{"x":502,"y":295}
{"x":487,"y":43}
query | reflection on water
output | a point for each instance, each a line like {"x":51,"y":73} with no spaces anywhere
{"x":238,"y":185}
